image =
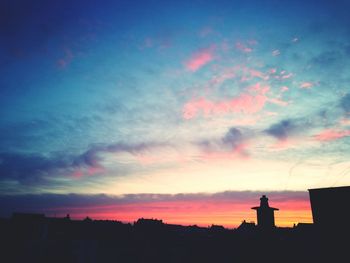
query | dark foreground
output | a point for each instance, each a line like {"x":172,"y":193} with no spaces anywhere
{"x":39,"y":239}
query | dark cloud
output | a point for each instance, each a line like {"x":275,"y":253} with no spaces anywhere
{"x":91,"y":156}
{"x":29,"y":169}
{"x":233,"y":137}
{"x":231,"y":140}
{"x":283,"y":129}
{"x":68,"y":203}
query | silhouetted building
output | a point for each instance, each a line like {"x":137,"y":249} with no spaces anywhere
{"x":216,"y":227}
{"x":265,"y":214}
{"x":246,"y":227}
{"x":330,"y":206}
{"x":148,"y":222}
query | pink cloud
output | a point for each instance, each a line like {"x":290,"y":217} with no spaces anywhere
{"x":272,"y":70}
{"x":306,"y":85}
{"x":90,"y":171}
{"x":243,"y":48}
{"x":331,"y":135}
{"x":258,"y":74}
{"x":199,"y":59}
{"x":249,"y":102}
{"x":284,"y":88}
{"x":259,"y":89}
{"x":227,"y":74}
{"x":249,"y":73}
{"x":287,"y":76}
{"x":77,"y":174}
{"x":95,"y":170}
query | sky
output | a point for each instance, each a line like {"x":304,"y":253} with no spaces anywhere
{"x":186,"y":111}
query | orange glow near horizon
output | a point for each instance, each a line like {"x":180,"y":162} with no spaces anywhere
{"x":197,"y":212}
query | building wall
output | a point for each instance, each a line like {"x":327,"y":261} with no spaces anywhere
{"x":330,"y":206}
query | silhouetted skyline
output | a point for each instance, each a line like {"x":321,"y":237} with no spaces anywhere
{"x":36,"y":238}
{"x":182,"y":110}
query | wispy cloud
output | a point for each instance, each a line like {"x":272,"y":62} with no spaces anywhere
{"x":199,"y":59}
{"x":28,"y":169}
{"x":243,"y":48}
{"x":331,"y":135}
{"x":249,"y":102}
{"x":306,"y":85}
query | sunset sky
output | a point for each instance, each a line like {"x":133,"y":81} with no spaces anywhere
{"x":186,"y":111}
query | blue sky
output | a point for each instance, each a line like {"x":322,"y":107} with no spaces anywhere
{"x":137,"y":97}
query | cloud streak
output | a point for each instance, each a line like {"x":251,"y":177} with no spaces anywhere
{"x":331,"y":135}
{"x":249,"y":102}
{"x":306,"y":85}
{"x":199,"y":59}
{"x":28,"y":169}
